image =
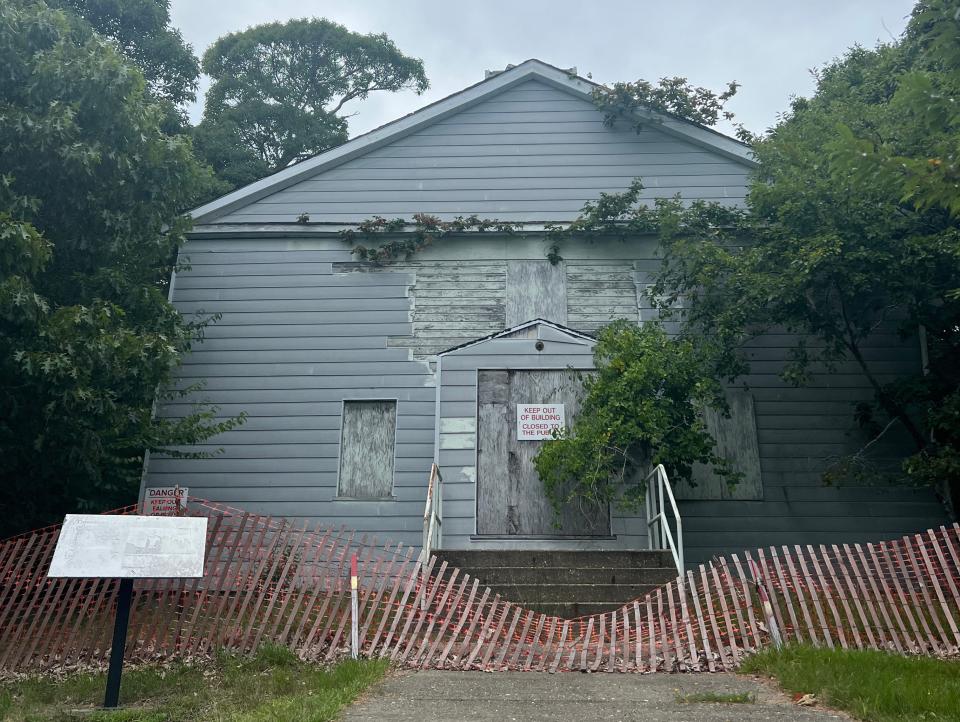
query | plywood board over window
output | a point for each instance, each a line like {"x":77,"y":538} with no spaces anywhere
{"x":367,"y":444}
{"x":511,"y":500}
{"x":736,"y":439}
{"x":536,"y":289}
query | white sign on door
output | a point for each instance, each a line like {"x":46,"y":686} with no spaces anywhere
{"x":536,"y":422}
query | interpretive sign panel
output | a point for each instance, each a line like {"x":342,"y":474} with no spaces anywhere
{"x":536,"y":422}
{"x":129,"y":547}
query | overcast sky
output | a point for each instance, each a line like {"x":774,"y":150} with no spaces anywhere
{"x":767,"y":45}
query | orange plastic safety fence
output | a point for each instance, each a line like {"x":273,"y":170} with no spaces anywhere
{"x":272,"y":581}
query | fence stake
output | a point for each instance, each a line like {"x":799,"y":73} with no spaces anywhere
{"x":354,"y":635}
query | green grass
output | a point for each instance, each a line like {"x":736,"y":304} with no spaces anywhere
{"x":717,"y":698}
{"x":872,"y":686}
{"x":274,"y":685}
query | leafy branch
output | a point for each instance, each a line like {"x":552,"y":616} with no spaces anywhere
{"x":387,"y":245}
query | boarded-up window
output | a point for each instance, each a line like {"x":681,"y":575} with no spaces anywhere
{"x":367,"y":449}
{"x":736,"y":439}
{"x":536,"y":289}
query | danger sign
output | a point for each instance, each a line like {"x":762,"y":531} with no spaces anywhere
{"x":536,"y":422}
{"x":164,"y":500}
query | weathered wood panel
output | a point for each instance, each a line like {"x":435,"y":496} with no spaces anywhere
{"x":493,"y":444}
{"x":510,"y":496}
{"x":599,"y":292}
{"x":736,"y":439}
{"x":451,"y":302}
{"x":536,"y":289}
{"x":367,"y":447}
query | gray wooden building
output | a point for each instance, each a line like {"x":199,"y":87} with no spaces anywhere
{"x":356,"y":377}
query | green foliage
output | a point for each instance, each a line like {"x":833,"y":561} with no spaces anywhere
{"x":89,"y":201}
{"x":141,"y":32}
{"x":831,"y":248}
{"x":424,"y":231}
{"x":853,"y":198}
{"x":278,"y":90}
{"x":843,"y":236}
{"x":671,"y":96}
{"x":219,"y":144}
{"x":872,"y":686}
{"x":642,"y":407}
{"x":271,"y":685}
{"x":920,"y":161}
{"x":717,"y":698}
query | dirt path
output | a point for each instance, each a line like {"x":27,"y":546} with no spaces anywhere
{"x":507,"y":696}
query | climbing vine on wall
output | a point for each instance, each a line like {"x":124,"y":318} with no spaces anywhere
{"x":668,"y":96}
{"x":387,"y":243}
{"x":626,"y":217}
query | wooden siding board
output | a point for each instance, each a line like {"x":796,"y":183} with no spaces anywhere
{"x":305,"y":326}
{"x":547,"y":128}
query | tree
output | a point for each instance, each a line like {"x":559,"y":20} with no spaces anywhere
{"x":89,"y":199}
{"x":642,"y":407}
{"x":670,"y":96}
{"x":278,"y":91}
{"x":850,"y":228}
{"x":141,"y":32}
{"x":914,"y":157}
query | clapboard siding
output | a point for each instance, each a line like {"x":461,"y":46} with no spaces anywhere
{"x":292,"y":345}
{"x":458,"y":385}
{"x":529,"y":153}
{"x":305,"y":327}
{"x":293,"y":342}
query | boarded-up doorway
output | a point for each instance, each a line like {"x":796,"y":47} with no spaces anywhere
{"x":510,"y":497}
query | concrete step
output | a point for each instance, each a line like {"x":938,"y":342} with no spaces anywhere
{"x":570,"y":559}
{"x":565,"y":583}
{"x":570,"y":593}
{"x":570,"y":575}
{"x":571,"y":610}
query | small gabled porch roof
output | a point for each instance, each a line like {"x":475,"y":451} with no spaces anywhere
{"x":536,"y":329}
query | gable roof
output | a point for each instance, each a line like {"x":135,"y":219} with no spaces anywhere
{"x":560,"y":333}
{"x":530,"y":70}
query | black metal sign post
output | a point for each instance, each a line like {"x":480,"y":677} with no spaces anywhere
{"x":120,"y":624}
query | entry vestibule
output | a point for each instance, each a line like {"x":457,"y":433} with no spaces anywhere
{"x":493,"y":497}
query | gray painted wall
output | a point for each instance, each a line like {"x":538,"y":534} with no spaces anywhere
{"x":304,"y":327}
{"x":296,"y":338}
{"x":531,"y":153}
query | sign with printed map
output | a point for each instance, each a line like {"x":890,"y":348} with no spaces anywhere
{"x":130,"y":547}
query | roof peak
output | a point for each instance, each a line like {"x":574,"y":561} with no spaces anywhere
{"x":487,"y":74}
{"x":532,"y":69}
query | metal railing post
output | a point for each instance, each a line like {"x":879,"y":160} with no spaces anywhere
{"x":657,"y":498}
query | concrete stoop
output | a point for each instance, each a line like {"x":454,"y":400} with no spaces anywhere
{"x":565,"y":583}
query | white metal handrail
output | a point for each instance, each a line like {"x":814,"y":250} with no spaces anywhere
{"x":432,"y":514}
{"x":658,"y":490}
